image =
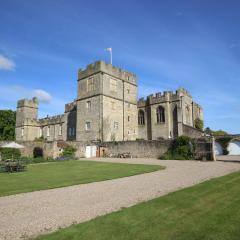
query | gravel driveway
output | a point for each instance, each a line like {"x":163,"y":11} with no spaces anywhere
{"x":30,"y":214}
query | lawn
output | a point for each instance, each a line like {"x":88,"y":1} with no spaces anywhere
{"x":207,"y":211}
{"x":62,"y":174}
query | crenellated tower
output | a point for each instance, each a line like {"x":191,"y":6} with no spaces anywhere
{"x":26,"y":119}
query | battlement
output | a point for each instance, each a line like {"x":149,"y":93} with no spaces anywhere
{"x":197,"y":105}
{"x":31,"y":103}
{"x":101,"y":66}
{"x":30,"y":122}
{"x":51,"y":120}
{"x":69,"y":107}
{"x":183,"y":92}
{"x":163,"y":97}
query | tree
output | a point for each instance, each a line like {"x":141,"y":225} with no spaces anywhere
{"x":215,"y":133}
{"x":7,"y":124}
{"x":208,"y":131}
{"x":219,"y":133}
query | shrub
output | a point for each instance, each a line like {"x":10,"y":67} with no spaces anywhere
{"x":69,"y":151}
{"x":224,"y":141}
{"x":39,"y":139}
{"x":10,"y":153}
{"x":182,"y":148}
{"x":198,"y":123}
{"x":30,"y":160}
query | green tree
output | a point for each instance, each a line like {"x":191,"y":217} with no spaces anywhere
{"x":7,"y":124}
{"x":215,"y":133}
{"x":219,"y":133}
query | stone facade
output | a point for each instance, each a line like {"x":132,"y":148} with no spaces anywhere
{"x":164,"y":115}
{"x":107,"y":109}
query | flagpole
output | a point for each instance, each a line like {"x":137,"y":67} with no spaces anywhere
{"x":110,"y":51}
{"x":111,"y":56}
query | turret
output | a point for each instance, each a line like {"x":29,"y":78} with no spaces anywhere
{"x":26,"y":119}
{"x":26,"y":109}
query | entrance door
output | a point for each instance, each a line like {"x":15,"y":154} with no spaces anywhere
{"x":91,"y":151}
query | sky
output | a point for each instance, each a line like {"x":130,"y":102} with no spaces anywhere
{"x":168,"y":44}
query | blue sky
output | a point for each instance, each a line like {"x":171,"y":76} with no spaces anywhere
{"x":168,"y":44}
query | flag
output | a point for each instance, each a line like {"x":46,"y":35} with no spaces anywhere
{"x":108,"y":49}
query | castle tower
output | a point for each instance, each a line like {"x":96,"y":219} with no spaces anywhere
{"x":26,"y":120}
{"x":106,"y":104}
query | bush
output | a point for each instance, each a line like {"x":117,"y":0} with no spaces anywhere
{"x":198,"y":123}
{"x":182,"y":148}
{"x":30,"y":160}
{"x":69,"y":151}
{"x":224,"y":142}
{"x":10,"y":153}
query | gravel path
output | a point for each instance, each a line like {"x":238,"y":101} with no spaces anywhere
{"x":30,"y":214}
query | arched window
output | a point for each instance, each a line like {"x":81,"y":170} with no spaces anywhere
{"x":141,"y":117}
{"x":160,"y":115}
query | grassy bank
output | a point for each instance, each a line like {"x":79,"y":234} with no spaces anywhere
{"x":207,"y":211}
{"x":61,"y":174}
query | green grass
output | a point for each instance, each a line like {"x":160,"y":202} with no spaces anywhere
{"x":207,"y":211}
{"x":62,"y":174}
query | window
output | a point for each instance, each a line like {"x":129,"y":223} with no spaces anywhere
{"x":40,"y":132}
{"x":141,"y":117}
{"x":88,"y":104}
{"x":48,"y":131}
{"x":73,"y":131}
{"x":90,"y":84}
{"x":187,"y":115}
{"x":115,"y":125}
{"x":87,"y":126}
{"x":113,"y":85}
{"x":60,"y":129}
{"x":70,"y":132}
{"x":128,"y":118}
{"x":128,"y":91}
{"x":128,"y":132}
{"x":22,"y":132}
{"x":160,"y":115}
{"x":129,"y":105}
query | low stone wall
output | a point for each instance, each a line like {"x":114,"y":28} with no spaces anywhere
{"x":192,"y":132}
{"x":143,"y":148}
{"x":204,"y":149}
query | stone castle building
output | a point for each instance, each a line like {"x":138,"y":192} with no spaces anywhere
{"x":107,"y":109}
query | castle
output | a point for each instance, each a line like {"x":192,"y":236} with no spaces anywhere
{"x":107,"y":109}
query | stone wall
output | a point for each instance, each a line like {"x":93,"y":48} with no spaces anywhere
{"x":204,"y":149}
{"x":192,"y":132}
{"x":142,"y":148}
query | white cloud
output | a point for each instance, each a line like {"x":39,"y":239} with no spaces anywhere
{"x":10,"y":94}
{"x":19,"y":92}
{"x":42,"y":95}
{"x":6,"y":63}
